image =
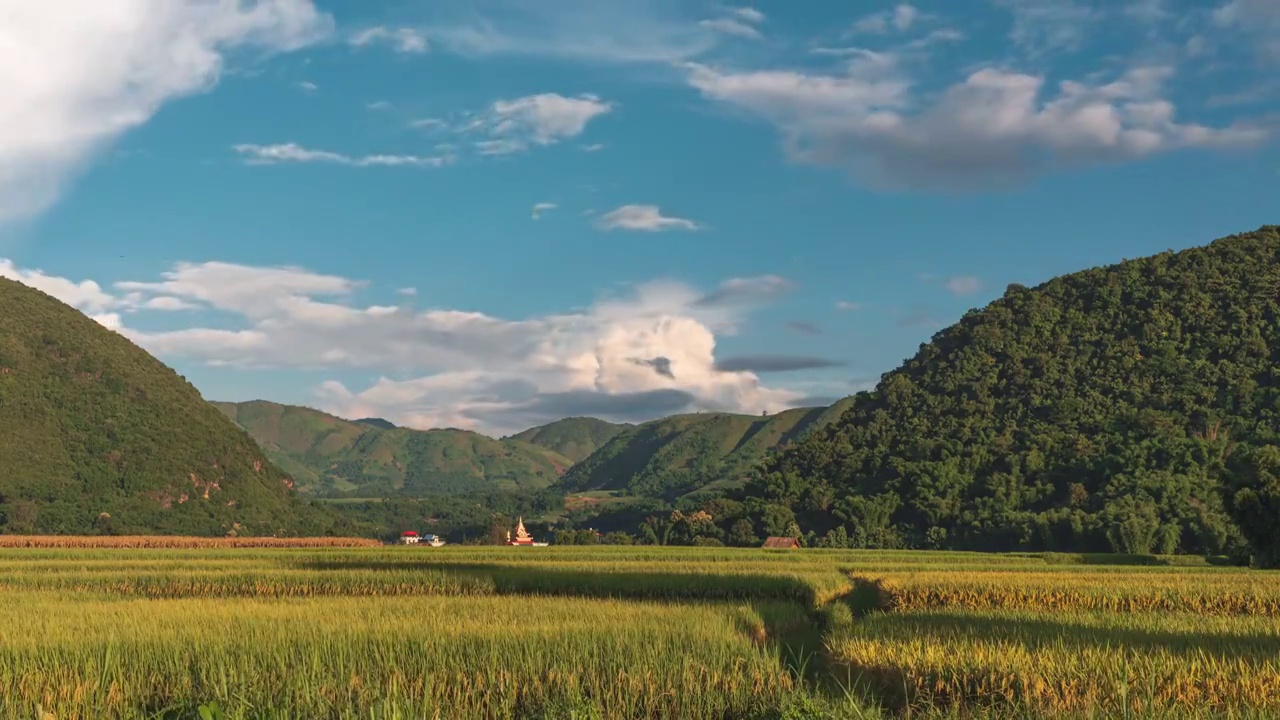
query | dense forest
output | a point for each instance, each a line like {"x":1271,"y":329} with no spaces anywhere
{"x":100,"y":437}
{"x":1119,"y":408}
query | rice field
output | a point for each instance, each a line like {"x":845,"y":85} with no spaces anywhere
{"x":626,"y":632}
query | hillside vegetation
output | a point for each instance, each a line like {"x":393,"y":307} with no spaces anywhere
{"x":575,"y":438}
{"x":332,"y":457}
{"x":684,"y":453}
{"x":97,"y":436}
{"x":1097,"y":411}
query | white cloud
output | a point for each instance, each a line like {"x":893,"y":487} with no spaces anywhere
{"x":900,"y":19}
{"x":992,"y":129}
{"x":166,"y":302}
{"x":542,"y":119}
{"x":542,"y":207}
{"x":378,"y":105}
{"x":581,"y":30}
{"x":307,"y":86}
{"x":963,"y":284}
{"x":408,"y":291}
{"x":642,"y":217}
{"x":85,"y":295}
{"x":1259,"y":19}
{"x":77,"y":74}
{"x":1043,"y":26}
{"x":294,"y":153}
{"x":848,"y":306}
{"x":634,"y":356}
{"x":749,"y":14}
{"x":593,"y":147}
{"x":730,"y":26}
{"x":402,"y":40}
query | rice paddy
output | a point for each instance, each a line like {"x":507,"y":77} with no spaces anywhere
{"x":625,"y":632}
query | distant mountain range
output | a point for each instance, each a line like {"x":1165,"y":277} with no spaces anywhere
{"x":331,"y":457}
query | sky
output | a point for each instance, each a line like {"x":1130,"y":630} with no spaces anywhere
{"x":496,"y":213}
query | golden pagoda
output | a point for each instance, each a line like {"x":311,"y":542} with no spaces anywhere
{"x":522,"y":536}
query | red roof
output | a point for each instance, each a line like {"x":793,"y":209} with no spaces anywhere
{"x":408,"y":533}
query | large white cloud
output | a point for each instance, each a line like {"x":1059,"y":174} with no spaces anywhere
{"x":993,"y":128}
{"x":634,"y":356}
{"x":76,"y":74}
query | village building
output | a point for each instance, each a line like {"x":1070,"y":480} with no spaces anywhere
{"x":409,"y":537}
{"x":785,"y":543}
{"x":432,"y":540}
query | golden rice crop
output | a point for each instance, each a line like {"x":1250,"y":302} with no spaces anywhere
{"x":387,"y":632}
{"x":1208,"y":592}
{"x":1050,"y":663}
{"x":177,"y":541}
{"x":348,"y":657}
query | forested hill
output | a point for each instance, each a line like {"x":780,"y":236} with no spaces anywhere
{"x":574,"y":438}
{"x":1091,"y":412}
{"x":332,"y":457}
{"x":98,"y":436}
{"x":683,"y":453}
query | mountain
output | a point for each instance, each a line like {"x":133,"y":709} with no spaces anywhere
{"x":92,"y":424}
{"x":378,"y":423}
{"x":682,"y":453}
{"x":1093,"y":412}
{"x":574,"y":438}
{"x":332,"y":457}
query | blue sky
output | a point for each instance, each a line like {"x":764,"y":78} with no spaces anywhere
{"x":494,"y":213}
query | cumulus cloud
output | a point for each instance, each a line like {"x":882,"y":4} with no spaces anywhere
{"x":402,"y":40}
{"x":77,"y":74}
{"x":542,"y":207}
{"x":963,"y":285}
{"x":294,"y":153}
{"x":647,"y":352}
{"x":993,"y":129}
{"x":848,"y":306}
{"x":307,"y":86}
{"x":646,"y":218}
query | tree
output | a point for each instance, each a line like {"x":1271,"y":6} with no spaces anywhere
{"x":1251,"y":494}
{"x":743,"y":533}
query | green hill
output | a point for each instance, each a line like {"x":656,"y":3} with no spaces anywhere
{"x":332,"y":457}
{"x":92,"y":424}
{"x":1093,"y":412}
{"x":574,"y":438}
{"x":683,"y":453}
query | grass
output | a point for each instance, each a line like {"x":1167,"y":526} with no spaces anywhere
{"x":633,"y":632}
